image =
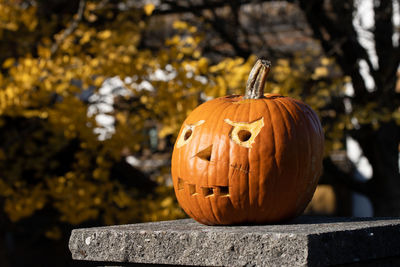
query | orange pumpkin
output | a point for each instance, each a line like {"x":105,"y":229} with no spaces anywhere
{"x":248,"y":159}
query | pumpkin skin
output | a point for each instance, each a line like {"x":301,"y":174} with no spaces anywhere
{"x":247,"y":161}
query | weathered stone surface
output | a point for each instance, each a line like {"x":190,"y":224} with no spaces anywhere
{"x":306,"y":241}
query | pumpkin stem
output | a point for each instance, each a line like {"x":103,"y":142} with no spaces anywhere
{"x":257,"y":78}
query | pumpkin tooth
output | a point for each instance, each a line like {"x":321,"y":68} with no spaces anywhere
{"x":192,"y":189}
{"x":181,"y":183}
{"x":207,"y":191}
{"x":223,"y":190}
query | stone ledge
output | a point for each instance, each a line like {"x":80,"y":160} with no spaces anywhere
{"x":306,"y":241}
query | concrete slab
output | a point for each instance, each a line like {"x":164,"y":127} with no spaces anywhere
{"x":305,"y":241}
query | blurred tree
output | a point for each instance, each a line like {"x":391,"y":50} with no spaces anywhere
{"x":373,"y":109}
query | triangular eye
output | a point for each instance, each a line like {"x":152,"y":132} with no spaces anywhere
{"x":244,"y":133}
{"x":187,"y":133}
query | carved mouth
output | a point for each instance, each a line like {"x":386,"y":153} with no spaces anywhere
{"x":206,"y":191}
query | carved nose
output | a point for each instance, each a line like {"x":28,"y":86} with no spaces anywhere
{"x":205,"y":154}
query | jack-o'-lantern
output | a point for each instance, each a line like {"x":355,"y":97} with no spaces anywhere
{"x":248,"y":159}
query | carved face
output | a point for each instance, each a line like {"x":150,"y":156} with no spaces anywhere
{"x":247,"y":161}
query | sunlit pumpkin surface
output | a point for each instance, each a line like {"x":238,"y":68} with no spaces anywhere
{"x":239,"y":161}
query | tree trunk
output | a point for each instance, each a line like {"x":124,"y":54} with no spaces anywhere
{"x":386,"y":196}
{"x":381,"y":149}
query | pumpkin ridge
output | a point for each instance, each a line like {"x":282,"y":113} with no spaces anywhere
{"x":271,"y":181}
{"x":214,"y":122}
{"x":295,"y":122}
{"x":258,"y":186}
{"x":281,"y":151}
{"x":291,"y":108}
{"x":276,"y":167}
{"x":235,"y":189}
{"x":283,"y":106}
{"x":292,"y":135}
{"x":211,"y":209}
{"x":241,"y":168}
{"x":211,"y":202}
{"x":320,"y":131}
{"x":220,"y":150}
{"x":246,"y":178}
{"x":193,"y":199}
{"x":315,"y":120}
{"x":196,"y":199}
{"x":307,"y":191}
{"x":184,"y":195}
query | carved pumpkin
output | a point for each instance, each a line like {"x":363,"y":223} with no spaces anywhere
{"x":251,"y":159}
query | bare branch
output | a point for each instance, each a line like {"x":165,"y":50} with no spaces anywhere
{"x":72,"y":27}
{"x":173,"y":7}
